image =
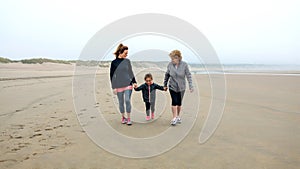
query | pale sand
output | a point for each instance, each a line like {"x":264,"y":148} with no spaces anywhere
{"x":39,"y":128}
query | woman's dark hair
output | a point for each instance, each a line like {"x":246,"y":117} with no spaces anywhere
{"x":120,"y":49}
{"x":148,"y":75}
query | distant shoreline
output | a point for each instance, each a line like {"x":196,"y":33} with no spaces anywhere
{"x":41,"y":64}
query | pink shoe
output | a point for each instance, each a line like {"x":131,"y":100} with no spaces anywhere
{"x":124,"y":120}
{"x":147,"y":118}
{"x":129,"y":123}
{"x":152,"y":115}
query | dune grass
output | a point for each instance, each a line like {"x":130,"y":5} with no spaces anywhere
{"x":35,"y":61}
{"x":5,"y":60}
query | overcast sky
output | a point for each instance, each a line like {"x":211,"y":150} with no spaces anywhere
{"x":255,"y":32}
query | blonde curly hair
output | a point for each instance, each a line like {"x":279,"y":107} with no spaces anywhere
{"x":175,"y":54}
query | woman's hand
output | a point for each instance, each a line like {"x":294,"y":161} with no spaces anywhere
{"x":165,"y":88}
{"x":115,"y":91}
{"x":135,"y":85}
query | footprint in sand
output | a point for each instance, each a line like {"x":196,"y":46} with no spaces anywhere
{"x":35,"y":135}
{"x":52,"y":147}
{"x":15,"y":137}
{"x":63,"y":119}
{"x":43,"y":139}
{"x":15,"y":149}
{"x":48,"y":129}
{"x":17,"y":126}
{"x":6,"y":160}
{"x":22,"y":145}
{"x":18,"y":137}
{"x":26,"y":158}
{"x":59,"y":126}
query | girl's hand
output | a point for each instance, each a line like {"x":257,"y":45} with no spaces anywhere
{"x":135,"y":85}
{"x":115,"y":91}
{"x":165,"y":88}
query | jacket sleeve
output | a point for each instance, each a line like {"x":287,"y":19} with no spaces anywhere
{"x":131,"y":75}
{"x":158,"y":87}
{"x":167,"y":76}
{"x":188,"y":76}
{"x":139,"y":88}
{"x":112,"y":71}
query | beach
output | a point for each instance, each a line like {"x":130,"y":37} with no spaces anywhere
{"x":259,"y":128}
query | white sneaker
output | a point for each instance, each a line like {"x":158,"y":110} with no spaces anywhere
{"x":174,"y":121}
{"x":178,"y":120}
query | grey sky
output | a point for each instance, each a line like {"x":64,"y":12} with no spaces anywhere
{"x":262,"y":32}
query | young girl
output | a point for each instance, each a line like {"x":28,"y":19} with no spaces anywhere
{"x":149,"y":94}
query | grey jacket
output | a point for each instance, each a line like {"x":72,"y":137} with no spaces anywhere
{"x":176,"y":77}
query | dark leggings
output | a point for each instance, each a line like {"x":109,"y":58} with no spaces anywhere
{"x":149,"y":106}
{"x":176,"y":97}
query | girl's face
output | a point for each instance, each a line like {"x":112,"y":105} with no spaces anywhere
{"x":124,"y":54}
{"x":148,"y":81}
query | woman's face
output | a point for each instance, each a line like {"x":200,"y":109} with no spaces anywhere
{"x":175,"y":60}
{"x":124,"y":54}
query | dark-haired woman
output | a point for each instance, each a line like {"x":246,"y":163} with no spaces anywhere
{"x":123,"y":81}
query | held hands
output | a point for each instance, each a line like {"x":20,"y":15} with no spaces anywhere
{"x":115,"y":91}
{"x":165,"y":88}
{"x":135,"y":85}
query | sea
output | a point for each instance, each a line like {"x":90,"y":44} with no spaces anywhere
{"x":247,"y":69}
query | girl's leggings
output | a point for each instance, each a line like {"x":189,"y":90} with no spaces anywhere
{"x":149,"y":106}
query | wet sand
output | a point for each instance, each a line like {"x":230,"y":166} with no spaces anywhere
{"x":39,"y":127}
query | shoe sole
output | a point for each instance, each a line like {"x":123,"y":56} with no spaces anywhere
{"x":173,"y":123}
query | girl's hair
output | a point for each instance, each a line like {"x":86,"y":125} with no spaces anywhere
{"x":175,"y":54}
{"x":148,"y":75}
{"x":120,"y":49}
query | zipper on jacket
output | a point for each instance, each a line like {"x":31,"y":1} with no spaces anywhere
{"x":149,"y":93}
